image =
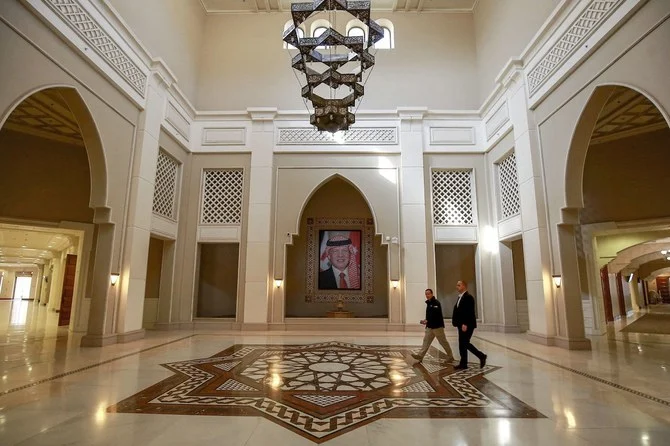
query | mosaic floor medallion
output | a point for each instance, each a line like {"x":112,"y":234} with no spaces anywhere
{"x":323,"y":390}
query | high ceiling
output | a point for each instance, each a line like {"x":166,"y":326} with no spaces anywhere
{"x":625,"y":114}
{"x":252,"y":6}
{"x":45,"y":114}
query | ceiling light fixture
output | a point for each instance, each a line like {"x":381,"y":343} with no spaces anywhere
{"x":344,"y":68}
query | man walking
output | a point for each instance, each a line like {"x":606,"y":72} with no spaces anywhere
{"x":465,"y":321}
{"x":434,"y":323}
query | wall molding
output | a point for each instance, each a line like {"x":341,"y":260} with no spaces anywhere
{"x":224,"y":136}
{"x":355,"y":136}
{"x":453,"y":135}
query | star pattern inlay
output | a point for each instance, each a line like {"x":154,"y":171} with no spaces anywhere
{"x":323,"y":390}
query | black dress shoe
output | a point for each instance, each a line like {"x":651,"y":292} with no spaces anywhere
{"x":482,"y":361}
{"x":460,"y":367}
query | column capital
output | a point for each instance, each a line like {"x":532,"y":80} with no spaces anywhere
{"x":262,"y":113}
{"x":511,"y":72}
{"x":162,"y":72}
{"x":412,"y":113}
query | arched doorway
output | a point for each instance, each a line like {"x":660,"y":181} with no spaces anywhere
{"x":320,"y":280}
{"x":615,"y":191}
{"x":54,"y":190}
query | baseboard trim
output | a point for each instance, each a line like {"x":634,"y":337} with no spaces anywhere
{"x":540,"y":338}
{"x":573,"y":343}
{"x":254,"y":326}
{"x":130,"y":336}
{"x":499,"y":328}
{"x":92,"y":340}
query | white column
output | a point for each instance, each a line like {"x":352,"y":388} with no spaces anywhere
{"x":138,"y":225}
{"x":413,"y":238}
{"x":257,"y":280}
{"x":536,"y":248}
{"x":635,"y":297}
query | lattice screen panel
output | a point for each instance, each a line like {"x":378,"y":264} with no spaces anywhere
{"x":452,"y":197}
{"x":222,"y":197}
{"x":165,"y":189}
{"x":510,"y":204}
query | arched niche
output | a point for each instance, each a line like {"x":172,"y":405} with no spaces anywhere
{"x":53,"y":172}
{"x":295,"y":187}
{"x":59,"y":115}
{"x":336,"y":205}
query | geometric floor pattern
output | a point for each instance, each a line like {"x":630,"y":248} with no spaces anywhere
{"x":323,"y":390}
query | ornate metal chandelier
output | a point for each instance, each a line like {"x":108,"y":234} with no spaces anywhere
{"x":331,"y":61}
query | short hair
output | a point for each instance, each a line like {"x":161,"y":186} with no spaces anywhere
{"x":465,"y":284}
{"x":430,"y":289}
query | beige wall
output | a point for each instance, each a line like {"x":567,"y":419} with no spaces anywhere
{"x":503,"y":29}
{"x":626,"y":179}
{"x":433,"y":64}
{"x":452,"y":263}
{"x":218,"y":272}
{"x":171,"y":30}
{"x":336,"y":198}
{"x":154,"y":262}
{"x":42,"y":179}
{"x":519,"y":270}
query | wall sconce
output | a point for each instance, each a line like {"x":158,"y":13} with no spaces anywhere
{"x":557,"y":280}
{"x":278,"y":283}
{"x":395,"y":283}
{"x":114,"y":278}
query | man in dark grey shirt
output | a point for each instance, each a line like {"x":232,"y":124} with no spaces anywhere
{"x":434,"y":323}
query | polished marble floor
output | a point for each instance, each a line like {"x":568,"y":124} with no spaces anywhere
{"x":54,"y":393}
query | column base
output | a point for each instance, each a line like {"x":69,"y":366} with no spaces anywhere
{"x":131,"y":336}
{"x":254,"y":326}
{"x":94,"y":340}
{"x":573,"y":343}
{"x":499,"y":328}
{"x":539,"y":338}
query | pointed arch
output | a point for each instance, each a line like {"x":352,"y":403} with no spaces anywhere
{"x":581,"y":138}
{"x":92,"y":142}
{"x":327,"y":180}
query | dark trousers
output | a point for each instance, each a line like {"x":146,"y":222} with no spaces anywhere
{"x":464,"y":345}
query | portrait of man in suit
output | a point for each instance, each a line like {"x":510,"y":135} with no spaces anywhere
{"x":339,"y":264}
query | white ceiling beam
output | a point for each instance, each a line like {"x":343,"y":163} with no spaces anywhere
{"x":419,"y":8}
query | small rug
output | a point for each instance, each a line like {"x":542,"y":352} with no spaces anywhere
{"x":654,"y":323}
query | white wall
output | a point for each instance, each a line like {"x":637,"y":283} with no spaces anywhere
{"x":433,"y":64}
{"x":171,"y":30}
{"x":502,"y":30}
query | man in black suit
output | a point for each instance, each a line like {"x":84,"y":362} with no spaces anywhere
{"x":465,"y":321}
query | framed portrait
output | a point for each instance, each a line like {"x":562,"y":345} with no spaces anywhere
{"x":339,"y":259}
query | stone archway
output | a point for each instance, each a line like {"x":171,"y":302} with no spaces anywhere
{"x":336,"y":205}
{"x":59,"y":175}
{"x":612,"y":178}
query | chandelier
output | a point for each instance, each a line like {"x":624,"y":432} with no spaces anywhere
{"x":333,"y":64}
